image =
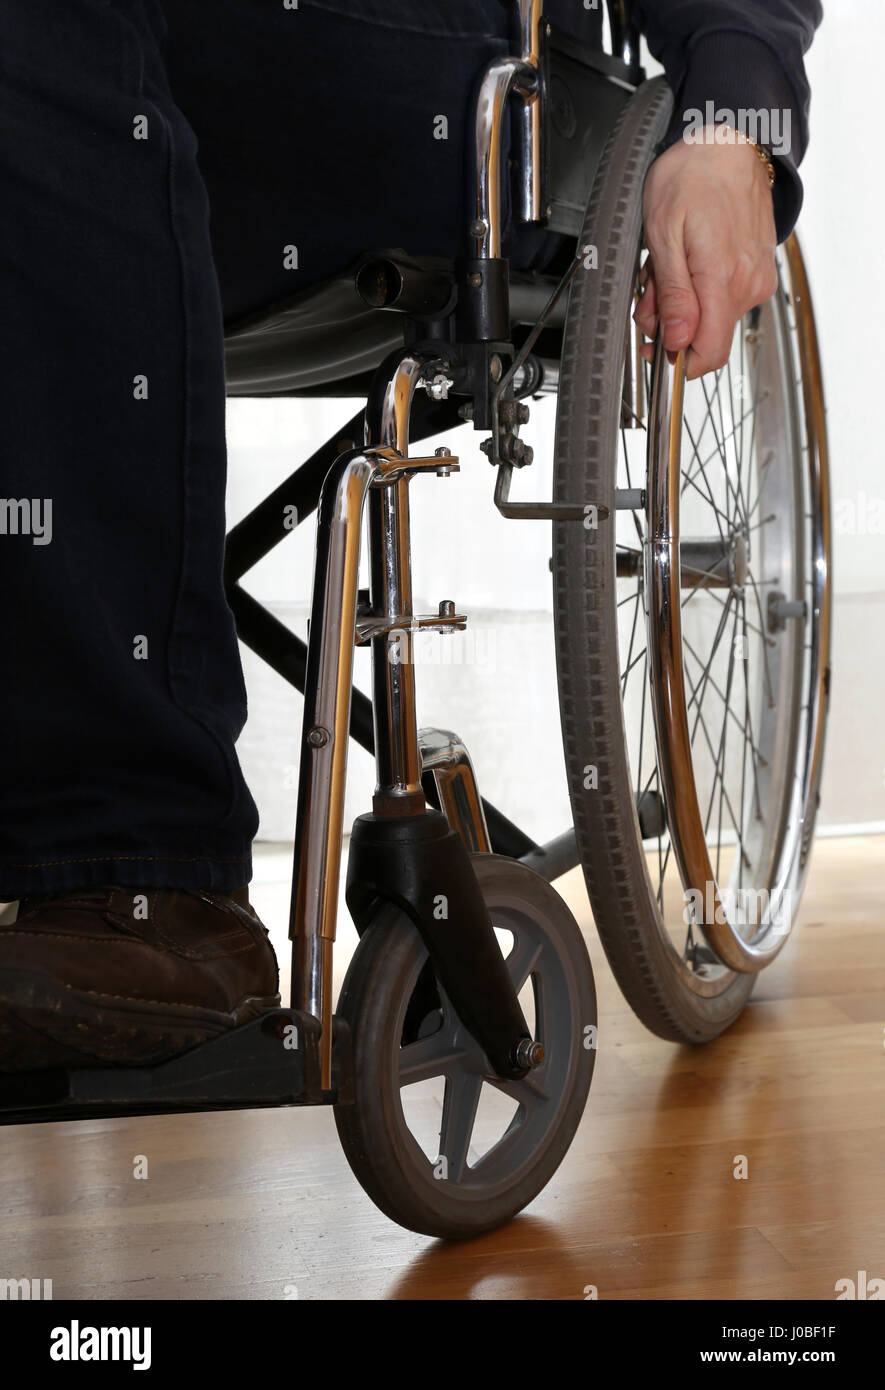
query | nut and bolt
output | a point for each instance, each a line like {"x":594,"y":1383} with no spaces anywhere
{"x":513,"y":413}
{"x":479,"y":227}
{"x":495,"y":367}
{"x":474,"y":280}
{"x":446,"y":608}
{"x":438,"y":387}
{"x":515,"y":450}
{"x":529,"y":1053}
{"x":318,"y":737}
{"x":443,"y":453}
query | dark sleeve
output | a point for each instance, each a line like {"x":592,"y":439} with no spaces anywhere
{"x":740,"y":54}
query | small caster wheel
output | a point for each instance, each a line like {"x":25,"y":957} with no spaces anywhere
{"x":440,"y":1143}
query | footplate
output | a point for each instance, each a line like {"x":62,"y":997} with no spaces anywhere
{"x":272,"y":1061}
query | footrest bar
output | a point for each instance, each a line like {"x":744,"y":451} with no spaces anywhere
{"x":271,"y":1061}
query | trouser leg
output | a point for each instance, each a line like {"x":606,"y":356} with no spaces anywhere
{"x":122,"y":694}
{"x":330,"y":129}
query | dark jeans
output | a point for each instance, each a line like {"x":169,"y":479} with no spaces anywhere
{"x":123,"y":693}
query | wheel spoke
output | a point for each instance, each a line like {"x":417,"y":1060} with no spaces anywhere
{"x":744,"y":749}
{"x":716,"y":640}
{"x":709,"y":457}
{"x":758,"y":759}
{"x":752,"y":443}
{"x":429,"y":1057}
{"x":761,"y":475}
{"x":529,"y":1092}
{"x":765,"y":641}
{"x":636,"y":524}
{"x":522,"y":961}
{"x":708,"y":497}
{"x":711,"y":593}
{"x":458,"y":1118}
{"x":730,"y":489}
{"x":642,"y":725}
{"x":714,"y":686}
{"x":630,"y":662}
{"x":702,"y":723}
{"x":734,"y":431}
{"x":724,"y":742}
{"x":627,"y":669}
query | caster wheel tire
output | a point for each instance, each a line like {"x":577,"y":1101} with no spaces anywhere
{"x":438,"y":1141}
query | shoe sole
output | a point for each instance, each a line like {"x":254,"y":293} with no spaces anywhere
{"x":45,"y":1024}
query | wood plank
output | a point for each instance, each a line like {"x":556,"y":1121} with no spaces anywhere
{"x":252,"y":1205}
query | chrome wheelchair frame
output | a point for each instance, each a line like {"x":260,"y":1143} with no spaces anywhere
{"x":408,"y":759}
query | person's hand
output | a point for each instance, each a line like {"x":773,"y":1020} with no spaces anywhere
{"x":709,"y":228}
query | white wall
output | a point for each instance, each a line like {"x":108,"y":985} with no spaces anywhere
{"x":841,"y":234}
{"x":497,"y":686}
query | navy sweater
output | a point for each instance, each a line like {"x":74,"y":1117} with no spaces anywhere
{"x":735,"y":54}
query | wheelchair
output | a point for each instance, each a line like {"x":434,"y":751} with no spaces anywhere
{"x":691,"y":583}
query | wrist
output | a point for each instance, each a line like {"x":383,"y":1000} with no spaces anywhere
{"x":725,"y":134}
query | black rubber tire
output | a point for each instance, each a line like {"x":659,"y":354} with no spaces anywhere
{"x":585,"y":593}
{"x":389,"y":958}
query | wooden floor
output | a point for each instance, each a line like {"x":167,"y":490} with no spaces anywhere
{"x":261,"y":1205}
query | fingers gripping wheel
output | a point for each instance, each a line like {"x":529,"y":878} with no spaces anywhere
{"x":471,"y":1165}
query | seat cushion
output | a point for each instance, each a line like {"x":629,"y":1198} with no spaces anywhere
{"x":314,"y":339}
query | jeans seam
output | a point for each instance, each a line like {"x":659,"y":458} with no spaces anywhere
{"x":172,"y":670}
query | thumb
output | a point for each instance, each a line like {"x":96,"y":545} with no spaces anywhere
{"x":678,"y":307}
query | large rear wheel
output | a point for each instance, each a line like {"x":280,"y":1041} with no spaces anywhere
{"x":692,"y":629}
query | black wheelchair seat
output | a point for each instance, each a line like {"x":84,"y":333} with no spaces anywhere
{"x":325,"y":335}
{"x":328,"y":340}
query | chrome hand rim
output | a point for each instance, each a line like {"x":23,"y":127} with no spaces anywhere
{"x":789,"y":602}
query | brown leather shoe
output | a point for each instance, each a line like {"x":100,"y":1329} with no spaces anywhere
{"x":124,"y":976}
